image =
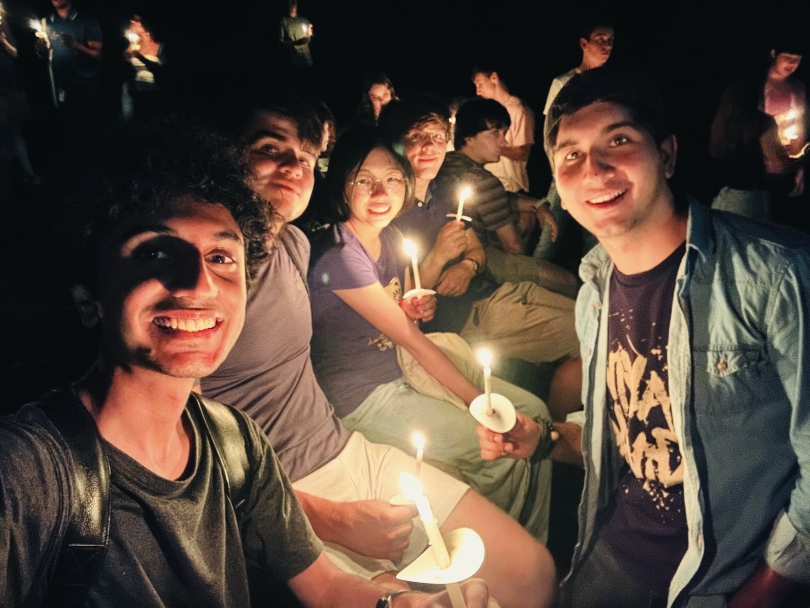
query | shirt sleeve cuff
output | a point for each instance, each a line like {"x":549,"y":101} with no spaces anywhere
{"x":788,"y":551}
{"x":577,"y":418}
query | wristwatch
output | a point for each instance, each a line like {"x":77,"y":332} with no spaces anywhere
{"x":546,"y":444}
{"x":476,"y":265}
{"x":387,"y":600}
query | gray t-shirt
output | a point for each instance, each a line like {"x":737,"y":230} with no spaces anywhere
{"x":268,"y":373}
{"x":172,"y":543}
{"x":351,"y":357}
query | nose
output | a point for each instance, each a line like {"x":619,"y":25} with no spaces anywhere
{"x":597,"y":164}
{"x":288,"y":163}
{"x":194,"y":278}
{"x":378,"y":188}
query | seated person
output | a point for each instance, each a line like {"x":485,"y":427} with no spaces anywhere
{"x":502,"y":220}
{"x":164,"y":240}
{"x":344,"y":483}
{"x":517,"y":320}
{"x":356,"y":281}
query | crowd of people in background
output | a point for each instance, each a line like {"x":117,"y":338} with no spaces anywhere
{"x":257,"y":258}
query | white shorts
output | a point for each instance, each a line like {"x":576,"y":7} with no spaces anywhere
{"x":364,"y":471}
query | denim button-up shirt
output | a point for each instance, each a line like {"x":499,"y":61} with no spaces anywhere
{"x":739,"y":382}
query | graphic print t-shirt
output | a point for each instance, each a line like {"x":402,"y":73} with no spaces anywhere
{"x":647,"y":529}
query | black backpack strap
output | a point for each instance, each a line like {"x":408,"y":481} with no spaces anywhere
{"x":88,"y":532}
{"x":228,"y":431}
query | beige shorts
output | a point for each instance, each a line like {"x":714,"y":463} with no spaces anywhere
{"x":364,"y":471}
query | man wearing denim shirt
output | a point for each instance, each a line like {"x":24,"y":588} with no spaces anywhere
{"x":693,"y":328}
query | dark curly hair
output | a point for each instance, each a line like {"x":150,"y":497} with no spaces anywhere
{"x":143,"y":169}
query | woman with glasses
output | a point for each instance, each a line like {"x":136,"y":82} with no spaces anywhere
{"x":357,"y":277}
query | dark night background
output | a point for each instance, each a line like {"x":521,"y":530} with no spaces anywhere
{"x":217,"y":50}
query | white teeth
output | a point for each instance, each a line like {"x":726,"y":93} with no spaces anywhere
{"x":608,"y":197}
{"x":190,"y":325}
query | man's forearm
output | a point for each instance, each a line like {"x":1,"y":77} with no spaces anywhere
{"x":324,"y":515}
{"x":518,"y":153}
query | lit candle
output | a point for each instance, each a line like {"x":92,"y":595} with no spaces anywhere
{"x":485,"y":357}
{"x":412,"y":489}
{"x":410,"y":249}
{"x":35,"y":25}
{"x":132,"y":37}
{"x":462,"y":197}
{"x":419,"y":442}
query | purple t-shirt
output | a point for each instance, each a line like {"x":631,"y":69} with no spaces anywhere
{"x":350,"y":356}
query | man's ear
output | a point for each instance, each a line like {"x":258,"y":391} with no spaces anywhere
{"x":583,"y":42}
{"x":669,"y":152}
{"x":494,"y":78}
{"x":89,"y":308}
{"x":773,"y":53}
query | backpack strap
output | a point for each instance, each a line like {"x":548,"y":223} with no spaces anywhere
{"x":88,"y":531}
{"x":228,"y":431}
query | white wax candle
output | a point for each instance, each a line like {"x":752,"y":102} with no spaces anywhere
{"x":485,"y":357}
{"x":464,"y":194}
{"x":410,"y":249}
{"x":413,"y":489}
{"x":419,"y":442}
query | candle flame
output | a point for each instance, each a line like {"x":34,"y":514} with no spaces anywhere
{"x":485,"y":357}
{"x":465,"y":194}
{"x":410,"y":486}
{"x":410,"y":248}
{"x":132,"y":36}
{"x":35,"y":25}
{"x":419,"y":441}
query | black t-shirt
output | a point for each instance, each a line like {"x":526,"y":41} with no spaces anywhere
{"x":647,"y":530}
{"x":172,"y":543}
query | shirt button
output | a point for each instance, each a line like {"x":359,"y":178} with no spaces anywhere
{"x":722,"y":365}
{"x":597,"y":306}
{"x":419,"y":204}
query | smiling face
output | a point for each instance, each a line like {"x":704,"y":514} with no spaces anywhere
{"x":425,"y":147}
{"x":172,"y":289}
{"x":485,"y":146}
{"x":610,"y":173}
{"x":282,"y":164}
{"x":371,"y":205}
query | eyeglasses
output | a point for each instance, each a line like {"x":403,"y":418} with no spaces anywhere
{"x":391,"y":184}
{"x":422,"y":138}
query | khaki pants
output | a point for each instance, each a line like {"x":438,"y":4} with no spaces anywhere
{"x":524,"y":321}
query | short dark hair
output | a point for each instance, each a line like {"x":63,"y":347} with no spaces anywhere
{"x":487,"y":68}
{"x":143,"y":169}
{"x":292,"y":107}
{"x":479,"y":115}
{"x":351,"y":150}
{"x":399,"y":117}
{"x":627,"y":87}
{"x":589,"y":27}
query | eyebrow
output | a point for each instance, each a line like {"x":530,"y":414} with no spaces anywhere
{"x":611,"y":127}
{"x":160,"y":229}
{"x":266,"y":134}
